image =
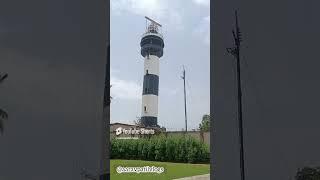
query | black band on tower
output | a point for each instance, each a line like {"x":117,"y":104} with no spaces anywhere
{"x":151,"y":45}
{"x":149,"y":121}
{"x":150,"y":84}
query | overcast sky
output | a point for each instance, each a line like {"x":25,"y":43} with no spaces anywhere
{"x":186,"y":36}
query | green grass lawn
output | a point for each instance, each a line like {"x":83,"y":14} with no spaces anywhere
{"x":172,"y":170}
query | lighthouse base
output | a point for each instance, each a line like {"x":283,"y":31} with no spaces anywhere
{"x":149,"y":121}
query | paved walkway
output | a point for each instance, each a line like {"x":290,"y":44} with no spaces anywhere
{"x":200,"y":177}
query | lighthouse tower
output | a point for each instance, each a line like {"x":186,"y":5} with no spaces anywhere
{"x":151,"y":49}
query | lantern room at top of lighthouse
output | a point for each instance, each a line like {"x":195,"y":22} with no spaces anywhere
{"x":152,"y":28}
{"x":152,"y":40}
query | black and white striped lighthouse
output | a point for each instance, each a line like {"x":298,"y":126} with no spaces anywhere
{"x":151,"y":49}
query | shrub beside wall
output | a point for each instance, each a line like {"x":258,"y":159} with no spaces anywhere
{"x":184,"y":149}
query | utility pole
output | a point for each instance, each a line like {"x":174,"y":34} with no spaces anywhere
{"x":235,"y":51}
{"x":185,"y":99}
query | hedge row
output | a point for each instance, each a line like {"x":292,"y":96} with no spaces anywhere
{"x":160,"y":148}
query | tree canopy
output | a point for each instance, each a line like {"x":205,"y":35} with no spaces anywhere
{"x":205,"y":123}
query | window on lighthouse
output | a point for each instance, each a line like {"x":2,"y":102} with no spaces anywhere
{"x":147,"y":72}
{"x":145,"y":108}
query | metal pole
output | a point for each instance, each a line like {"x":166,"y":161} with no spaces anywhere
{"x":235,"y":51}
{"x":239,"y":100}
{"x":185,"y":99}
{"x":240,"y":116}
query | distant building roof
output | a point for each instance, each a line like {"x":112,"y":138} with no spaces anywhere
{"x":123,"y":124}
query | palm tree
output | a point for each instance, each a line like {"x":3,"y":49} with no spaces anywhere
{"x":3,"y":114}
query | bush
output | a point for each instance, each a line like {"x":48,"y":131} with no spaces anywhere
{"x":160,"y":148}
{"x":308,"y":173}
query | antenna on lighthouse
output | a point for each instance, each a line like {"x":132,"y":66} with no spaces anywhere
{"x":153,"y":21}
{"x":153,"y":26}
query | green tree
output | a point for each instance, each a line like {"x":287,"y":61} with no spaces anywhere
{"x":3,"y":114}
{"x":137,"y":122}
{"x":205,"y":123}
{"x":308,"y":173}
